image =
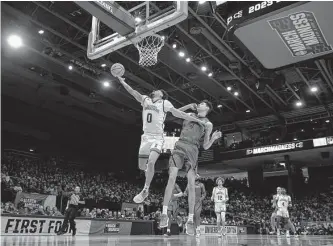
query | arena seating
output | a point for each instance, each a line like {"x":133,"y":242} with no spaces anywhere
{"x":105,"y":192}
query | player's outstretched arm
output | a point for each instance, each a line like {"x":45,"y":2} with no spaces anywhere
{"x":130,"y":90}
{"x":182,"y":115}
{"x":192,"y":106}
{"x":209,"y":140}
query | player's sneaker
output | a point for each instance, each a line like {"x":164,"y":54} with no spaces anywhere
{"x":141,"y":196}
{"x":164,"y":220}
{"x":287,"y":234}
{"x":167,"y":234}
{"x":278,"y":233}
{"x":190,"y":228}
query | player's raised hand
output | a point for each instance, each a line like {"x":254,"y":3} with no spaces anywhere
{"x":193,"y":106}
{"x":121,"y":79}
{"x":216,"y":135}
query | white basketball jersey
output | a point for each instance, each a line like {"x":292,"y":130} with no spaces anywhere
{"x":153,"y":115}
{"x":283,"y":201}
{"x":220,"y":195}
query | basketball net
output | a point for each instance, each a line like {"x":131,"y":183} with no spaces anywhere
{"x":148,"y":49}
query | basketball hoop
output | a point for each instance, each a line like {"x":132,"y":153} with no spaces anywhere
{"x":148,"y":49}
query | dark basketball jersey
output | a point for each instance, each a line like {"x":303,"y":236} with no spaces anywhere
{"x":193,"y":132}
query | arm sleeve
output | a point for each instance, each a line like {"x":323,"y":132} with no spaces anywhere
{"x":167,"y":105}
{"x":144,"y":97}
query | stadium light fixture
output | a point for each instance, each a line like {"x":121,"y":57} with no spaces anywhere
{"x":41,"y":31}
{"x":203,"y":68}
{"x":103,"y":65}
{"x":229,"y":88}
{"x":314,"y":89}
{"x":70,"y":67}
{"x":299,"y":104}
{"x":210,"y":74}
{"x":248,"y":111}
{"x":106,"y":84}
{"x":327,"y":121}
{"x":219,"y":106}
{"x":15,"y":41}
{"x":202,"y":2}
{"x":181,"y":54}
{"x":174,"y":46}
{"x":236,"y":93}
{"x":137,"y":19}
{"x":295,"y":139}
{"x":188,"y":59}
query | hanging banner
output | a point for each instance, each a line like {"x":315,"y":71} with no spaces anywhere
{"x":34,"y":200}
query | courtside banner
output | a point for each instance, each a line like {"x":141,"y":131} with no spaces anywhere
{"x":213,"y":229}
{"x":110,"y":227}
{"x":43,"y":226}
{"x":34,"y":200}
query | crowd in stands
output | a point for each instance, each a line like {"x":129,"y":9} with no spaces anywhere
{"x":21,"y":173}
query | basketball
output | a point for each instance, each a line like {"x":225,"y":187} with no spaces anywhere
{"x":117,"y":70}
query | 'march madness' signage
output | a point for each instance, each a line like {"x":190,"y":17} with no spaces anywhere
{"x":275,"y":148}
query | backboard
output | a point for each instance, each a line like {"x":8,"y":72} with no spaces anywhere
{"x":130,"y":21}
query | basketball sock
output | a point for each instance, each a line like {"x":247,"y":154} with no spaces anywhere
{"x":190,"y":217}
{"x":168,"y":230}
{"x":146,"y":187}
{"x":165,"y":210}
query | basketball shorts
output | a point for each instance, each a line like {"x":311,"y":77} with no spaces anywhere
{"x":173,"y":206}
{"x":282,"y":213}
{"x":220,"y":207}
{"x":150,"y":142}
{"x":184,"y":153}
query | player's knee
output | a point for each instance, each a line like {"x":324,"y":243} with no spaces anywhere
{"x":143,"y":164}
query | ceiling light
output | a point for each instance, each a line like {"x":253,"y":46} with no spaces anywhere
{"x":188,"y":59}
{"x":229,"y":88}
{"x":174,"y":46}
{"x":210,"y":74}
{"x":181,"y":54}
{"x":15,"y":41}
{"x":70,"y":67}
{"x":103,"y":65}
{"x":248,"y":111}
{"x":327,"y":121}
{"x":299,"y":104}
{"x":236,"y":93}
{"x":41,"y":31}
{"x":106,"y":84}
{"x":137,"y":19}
{"x":203,"y":68}
{"x":314,"y":89}
{"x":219,"y":106}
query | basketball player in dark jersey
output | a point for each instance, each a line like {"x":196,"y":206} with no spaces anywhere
{"x":186,"y":152}
{"x":173,"y":207}
{"x":200,"y":194}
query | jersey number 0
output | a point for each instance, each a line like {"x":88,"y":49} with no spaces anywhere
{"x":149,"y":117}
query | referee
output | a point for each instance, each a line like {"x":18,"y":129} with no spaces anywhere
{"x":70,"y":214}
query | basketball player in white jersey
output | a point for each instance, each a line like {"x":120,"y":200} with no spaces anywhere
{"x":155,"y":108}
{"x":283,"y":202}
{"x":273,"y":216}
{"x":220,"y":197}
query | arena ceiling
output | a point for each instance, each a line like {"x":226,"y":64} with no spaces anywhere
{"x":39,"y":73}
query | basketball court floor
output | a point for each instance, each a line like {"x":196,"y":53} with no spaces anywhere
{"x":180,"y":240}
